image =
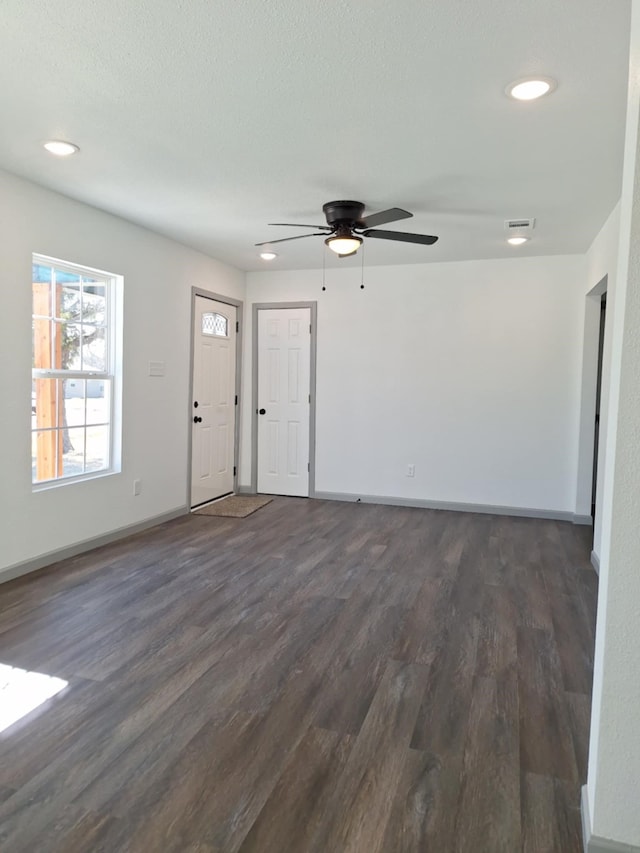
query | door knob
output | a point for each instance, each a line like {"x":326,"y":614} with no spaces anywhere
{"x":197,"y":420}
{"x":262,"y":412}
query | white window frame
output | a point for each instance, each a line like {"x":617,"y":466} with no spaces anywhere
{"x":112,"y":373}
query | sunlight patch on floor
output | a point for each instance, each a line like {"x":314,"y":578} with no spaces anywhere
{"x":22,"y":691}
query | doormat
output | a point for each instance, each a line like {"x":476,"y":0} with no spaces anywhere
{"x":235,"y":506}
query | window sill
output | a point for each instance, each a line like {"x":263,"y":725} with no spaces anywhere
{"x":68,"y":481}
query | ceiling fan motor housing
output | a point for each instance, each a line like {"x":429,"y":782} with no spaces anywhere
{"x":345,"y":223}
{"x":343,"y":212}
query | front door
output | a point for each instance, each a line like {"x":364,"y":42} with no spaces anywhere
{"x":213,"y":410}
{"x":284,"y":366}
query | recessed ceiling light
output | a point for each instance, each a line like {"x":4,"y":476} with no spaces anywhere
{"x":517,"y":241}
{"x":530,"y":88}
{"x":60,"y":148}
{"x":268,"y":256}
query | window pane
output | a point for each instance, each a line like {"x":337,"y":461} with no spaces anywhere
{"x":63,"y":277}
{"x":34,"y":457}
{"x":42,"y":329}
{"x":46,"y":449}
{"x":98,"y":404}
{"x":47,"y":414}
{"x":94,"y":304}
{"x":74,"y":402}
{"x":43,"y":343}
{"x":94,"y":355}
{"x":73,"y":452}
{"x":97,"y":448}
{"x":41,"y":273}
{"x":41,"y":298}
{"x":42,"y":332}
{"x":220,"y":324}
{"x":68,"y":303}
{"x":207,"y":324}
{"x":46,"y":403}
{"x":68,"y":352}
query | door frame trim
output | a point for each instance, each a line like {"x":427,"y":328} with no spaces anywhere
{"x":266,"y":306}
{"x":239,"y":306}
{"x":588,"y":380}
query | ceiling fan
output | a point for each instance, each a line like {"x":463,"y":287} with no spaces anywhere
{"x":346,"y":227}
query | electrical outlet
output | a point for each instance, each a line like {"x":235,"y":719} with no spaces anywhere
{"x":411,"y":470}
{"x":137,"y":487}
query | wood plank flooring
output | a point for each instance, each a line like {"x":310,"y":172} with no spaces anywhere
{"x":320,"y":677}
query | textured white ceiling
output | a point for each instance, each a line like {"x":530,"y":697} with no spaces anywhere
{"x":205,"y":120}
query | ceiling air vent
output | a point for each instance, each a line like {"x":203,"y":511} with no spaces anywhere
{"x":519,"y":225}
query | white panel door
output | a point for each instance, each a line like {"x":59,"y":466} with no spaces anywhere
{"x":284,"y":363}
{"x":213,"y":411}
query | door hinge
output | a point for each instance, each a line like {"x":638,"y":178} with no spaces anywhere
{"x":308,"y":466}
{"x":309,"y":397}
{"x":236,"y":400}
{"x":237,"y":325}
{"x":309,"y":328}
{"x":234,"y":470}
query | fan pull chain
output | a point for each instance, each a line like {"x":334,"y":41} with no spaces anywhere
{"x":362,"y":269}
{"x":324,"y":286}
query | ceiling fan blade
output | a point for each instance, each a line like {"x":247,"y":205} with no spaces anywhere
{"x":285,"y":239}
{"x":300,"y":225}
{"x":401,"y":236}
{"x":394,"y":214}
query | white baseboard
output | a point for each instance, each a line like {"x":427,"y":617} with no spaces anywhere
{"x":523,"y":512}
{"x":595,"y":844}
{"x":595,"y":562}
{"x":27,"y":566}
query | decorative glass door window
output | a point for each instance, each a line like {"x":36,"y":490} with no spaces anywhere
{"x":216,"y":325}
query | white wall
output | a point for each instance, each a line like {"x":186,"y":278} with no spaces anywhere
{"x":601,"y":273}
{"x":614,"y":750}
{"x":158,"y":275}
{"x":470,"y":371}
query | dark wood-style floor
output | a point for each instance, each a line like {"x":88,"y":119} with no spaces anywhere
{"x":320,"y":676}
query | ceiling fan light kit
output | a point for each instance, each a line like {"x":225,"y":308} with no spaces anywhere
{"x":344,"y":244}
{"x":346,"y":227}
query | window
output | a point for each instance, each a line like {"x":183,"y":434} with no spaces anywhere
{"x":216,"y":325}
{"x":73,"y":371}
